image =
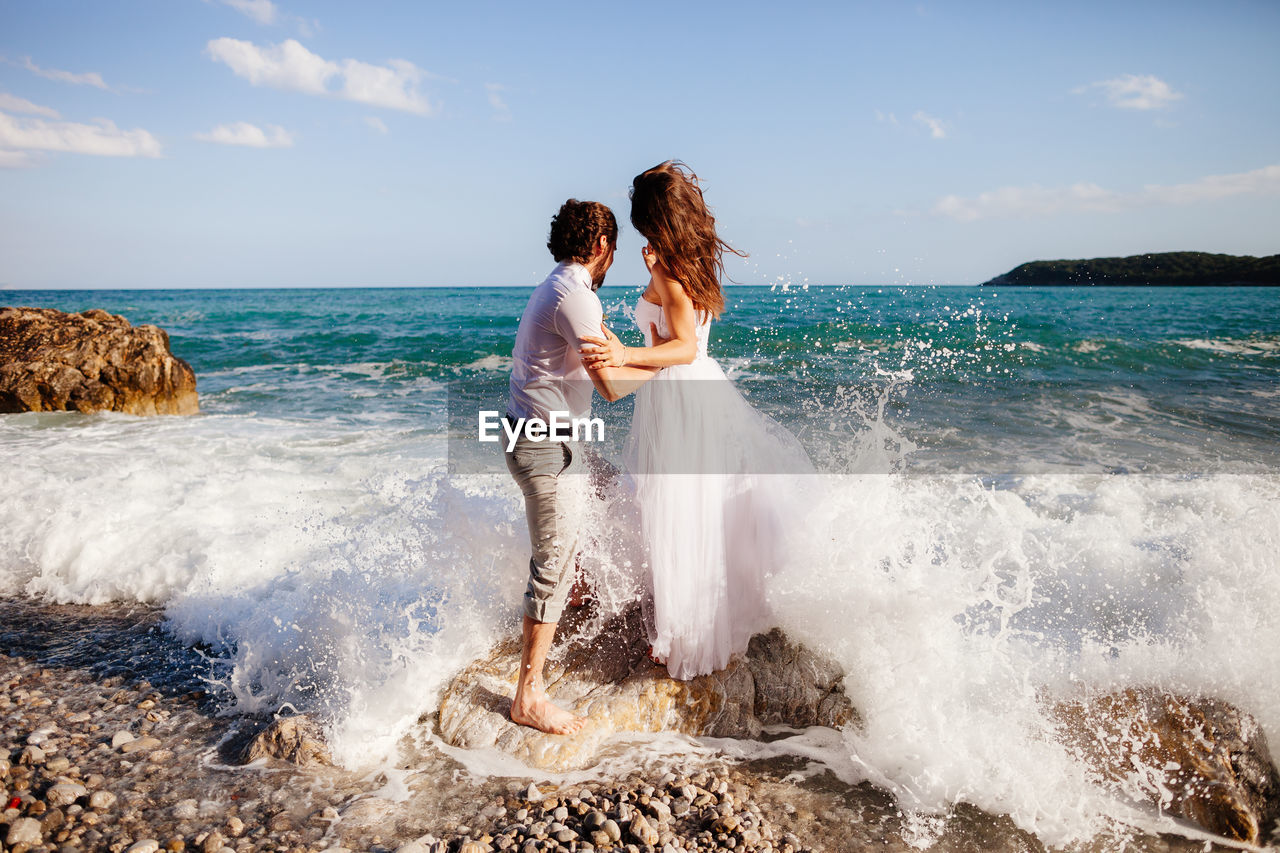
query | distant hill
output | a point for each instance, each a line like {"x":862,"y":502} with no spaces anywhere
{"x":1168,"y":269}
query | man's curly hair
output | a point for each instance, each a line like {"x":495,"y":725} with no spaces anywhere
{"x":576,"y":229}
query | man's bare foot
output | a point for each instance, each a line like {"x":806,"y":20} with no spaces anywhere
{"x":541,"y":714}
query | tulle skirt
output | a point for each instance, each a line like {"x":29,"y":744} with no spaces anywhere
{"x":717,"y":483}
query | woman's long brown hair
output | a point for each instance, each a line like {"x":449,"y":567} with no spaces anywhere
{"x":668,"y":209}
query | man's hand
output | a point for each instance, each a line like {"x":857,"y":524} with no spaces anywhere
{"x":603,"y":352}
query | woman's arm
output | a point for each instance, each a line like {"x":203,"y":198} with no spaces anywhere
{"x":614,"y":383}
{"x":680,"y":348}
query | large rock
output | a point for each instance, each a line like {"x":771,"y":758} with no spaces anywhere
{"x":1201,"y":759}
{"x":53,"y":361}
{"x":298,"y":740}
{"x":604,"y":674}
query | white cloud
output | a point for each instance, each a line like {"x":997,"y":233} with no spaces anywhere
{"x":393,"y":86}
{"x":15,"y":159}
{"x":89,"y":78}
{"x":291,"y":66}
{"x":936,"y":130}
{"x":262,"y":11}
{"x":377,"y":124}
{"x":243,"y":133}
{"x":288,"y":65}
{"x":1136,"y":92}
{"x":14,"y":104}
{"x":1087,"y":197}
{"x":102,"y":138}
{"x":890,"y":118}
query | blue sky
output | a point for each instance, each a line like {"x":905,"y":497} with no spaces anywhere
{"x":234,"y":143}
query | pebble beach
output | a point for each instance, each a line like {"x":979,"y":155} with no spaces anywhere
{"x":112,"y":742}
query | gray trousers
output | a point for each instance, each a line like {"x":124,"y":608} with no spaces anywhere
{"x":552,"y":504}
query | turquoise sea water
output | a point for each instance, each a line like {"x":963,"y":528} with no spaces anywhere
{"x":1027,"y":493}
{"x":988,"y":380}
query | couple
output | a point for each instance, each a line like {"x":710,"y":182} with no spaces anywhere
{"x":712,"y":533}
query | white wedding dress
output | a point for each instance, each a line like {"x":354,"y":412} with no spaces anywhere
{"x":715,"y":482}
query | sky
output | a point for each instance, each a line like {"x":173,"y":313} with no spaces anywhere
{"x":304,"y":143}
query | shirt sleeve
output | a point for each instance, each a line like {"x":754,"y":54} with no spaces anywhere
{"x":580,"y":315}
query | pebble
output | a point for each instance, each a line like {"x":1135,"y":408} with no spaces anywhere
{"x":24,"y":830}
{"x":65,"y":793}
{"x":186,"y":810}
{"x":148,"y":845}
{"x":142,"y":744}
{"x":119,"y":739}
{"x":101,"y":800}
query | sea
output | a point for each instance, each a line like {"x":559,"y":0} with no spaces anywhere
{"x":1023,"y":495}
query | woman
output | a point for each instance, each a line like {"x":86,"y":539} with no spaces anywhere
{"x":713,"y":525}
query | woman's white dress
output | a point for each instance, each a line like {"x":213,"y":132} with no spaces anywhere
{"x":715,"y":481}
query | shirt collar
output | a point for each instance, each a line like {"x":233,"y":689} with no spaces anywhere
{"x":578,"y":273}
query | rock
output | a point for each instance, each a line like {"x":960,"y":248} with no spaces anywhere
{"x":24,"y":830}
{"x":142,"y":744}
{"x":235,"y":826}
{"x":298,"y":740}
{"x":1201,"y":759}
{"x":187,"y":809}
{"x":606,"y":675}
{"x":148,"y":845}
{"x":101,"y":800}
{"x":31,"y":755}
{"x":119,"y":739}
{"x":643,"y":831}
{"x":53,"y":361}
{"x":64,"y":793}
{"x":213,"y":842}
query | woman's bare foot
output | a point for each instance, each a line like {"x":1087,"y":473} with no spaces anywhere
{"x":654,"y":658}
{"x":538,"y":712}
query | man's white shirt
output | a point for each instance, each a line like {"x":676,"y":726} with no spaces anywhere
{"x":546,"y":372}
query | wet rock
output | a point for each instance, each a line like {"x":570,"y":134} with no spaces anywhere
{"x":101,"y":800}
{"x":119,"y":739}
{"x":1201,"y":759}
{"x":298,"y":740}
{"x":24,"y":830}
{"x":53,"y":361}
{"x":148,"y":845}
{"x":142,"y":744}
{"x":607,"y":677}
{"x":65,"y":793}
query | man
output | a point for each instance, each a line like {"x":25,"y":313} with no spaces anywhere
{"x":547,"y":376}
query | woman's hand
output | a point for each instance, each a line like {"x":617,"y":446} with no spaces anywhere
{"x":603,"y":352}
{"x":658,"y":340}
{"x":651,"y":263}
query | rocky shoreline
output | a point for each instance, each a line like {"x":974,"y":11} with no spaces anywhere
{"x":109,"y":741}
